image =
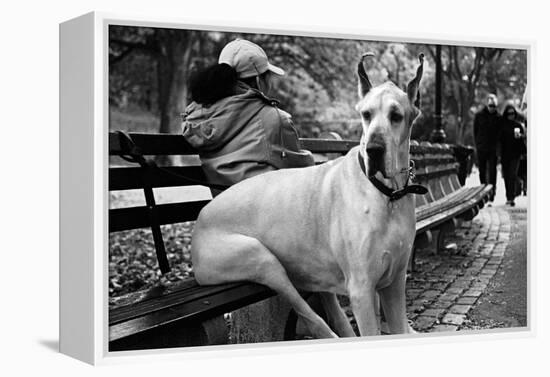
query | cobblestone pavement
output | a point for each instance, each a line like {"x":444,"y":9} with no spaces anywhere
{"x":444,"y":287}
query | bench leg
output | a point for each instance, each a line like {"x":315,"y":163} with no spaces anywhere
{"x":215,"y":331}
{"x":443,"y":231}
{"x":470,"y":214}
{"x":263,"y":321}
{"x":422,"y":241}
{"x":210,"y":332}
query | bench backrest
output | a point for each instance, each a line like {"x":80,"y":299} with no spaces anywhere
{"x":135,"y":177}
{"x":436,"y":168}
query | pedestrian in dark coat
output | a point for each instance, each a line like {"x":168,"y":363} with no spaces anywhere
{"x":512,"y":147}
{"x":486,"y":128}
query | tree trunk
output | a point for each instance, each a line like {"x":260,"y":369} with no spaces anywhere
{"x":173,"y":63}
{"x":466,"y":102}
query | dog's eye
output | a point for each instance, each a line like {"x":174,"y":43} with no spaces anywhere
{"x":366,"y":115}
{"x":396,"y":117}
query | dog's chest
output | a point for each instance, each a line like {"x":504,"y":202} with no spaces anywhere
{"x":387,"y":227}
{"x":392,"y":222}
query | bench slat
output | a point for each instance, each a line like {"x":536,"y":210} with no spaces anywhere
{"x":189,"y":292}
{"x":152,"y":144}
{"x":175,"y":144}
{"x":223,"y":301}
{"x":138,"y":217}
{"x":437,"y":218}
{"x":423,"y":176}
{"x":327,"y":145}
{"x":461,"y":195}
{"x":132,"y":178}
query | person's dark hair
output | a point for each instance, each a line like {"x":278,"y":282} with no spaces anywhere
{"x":250,"y":81}
{"x":213,"y":83}
{"x":509,"y":107}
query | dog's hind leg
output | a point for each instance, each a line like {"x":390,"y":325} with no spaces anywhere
{"x":336,"y":316}
{"x":235,"y":257}
{"x":274,"y":276}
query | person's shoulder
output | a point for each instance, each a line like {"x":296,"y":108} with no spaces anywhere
{"x":480,"y":112}
{"x":270,"y":110}
{"x":272,"y":113}
{"x":517,"y":123}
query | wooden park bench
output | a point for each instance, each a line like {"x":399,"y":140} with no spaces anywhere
{"x":187,"y":314}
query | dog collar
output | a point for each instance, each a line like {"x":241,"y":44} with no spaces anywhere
{"x":390,"y":193}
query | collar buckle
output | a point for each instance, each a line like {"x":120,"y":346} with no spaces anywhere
{"x":394,"y":195}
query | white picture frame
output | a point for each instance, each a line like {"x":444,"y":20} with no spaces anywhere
{"x":84,"y":192}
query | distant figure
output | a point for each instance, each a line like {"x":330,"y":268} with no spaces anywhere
{"x":239,"y":131}
{"x":512,"y":142}
{"x":486,"y":128}
{"x":522,"y":170}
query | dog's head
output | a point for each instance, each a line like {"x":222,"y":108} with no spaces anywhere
{"x":387,"y":114}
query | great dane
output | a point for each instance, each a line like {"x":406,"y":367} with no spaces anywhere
{"x":344,"y":227}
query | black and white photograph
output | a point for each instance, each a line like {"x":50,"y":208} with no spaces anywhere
{"x":245,"y":188}
{"x":271,"y":187}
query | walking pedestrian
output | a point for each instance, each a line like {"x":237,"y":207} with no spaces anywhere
{"x":512,"y":147}
{"x":486,"y":128}
{"x":522,"y":170}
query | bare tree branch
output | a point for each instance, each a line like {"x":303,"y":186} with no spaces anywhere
{"x":456,"y":65}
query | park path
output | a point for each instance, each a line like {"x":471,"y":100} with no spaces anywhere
{"x":481,"y":281}
{"x":444,"y":288}
{"x":504,"y":302}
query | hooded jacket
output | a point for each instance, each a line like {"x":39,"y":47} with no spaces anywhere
{"x":242,"y":136}
{"x":511,"y":147}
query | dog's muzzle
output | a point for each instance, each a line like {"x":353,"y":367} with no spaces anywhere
{"x":376,"y":152}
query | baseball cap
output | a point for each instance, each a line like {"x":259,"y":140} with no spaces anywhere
{"x":247,"y":58}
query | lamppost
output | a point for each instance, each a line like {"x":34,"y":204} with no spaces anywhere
{"x":438,"y":134}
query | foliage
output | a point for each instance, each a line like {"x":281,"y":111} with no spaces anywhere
{"x":133,"y":263}
{"x":149,"y":68}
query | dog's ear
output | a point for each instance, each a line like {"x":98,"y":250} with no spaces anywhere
{"x":364,"y":84}
{"x":412,"y":88}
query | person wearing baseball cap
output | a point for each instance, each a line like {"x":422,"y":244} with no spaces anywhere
{"x":237,"y":128}
{"x":247,"y":58}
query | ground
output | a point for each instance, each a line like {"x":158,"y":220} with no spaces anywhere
{"x":504,"y":303}
{"x":480,"y":281}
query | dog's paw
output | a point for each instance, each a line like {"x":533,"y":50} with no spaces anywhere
{"x":410,"y":329}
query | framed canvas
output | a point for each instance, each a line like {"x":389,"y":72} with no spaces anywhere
{"x":352,"y":189}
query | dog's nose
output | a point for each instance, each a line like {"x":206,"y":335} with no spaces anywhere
{"x":375,"y":151}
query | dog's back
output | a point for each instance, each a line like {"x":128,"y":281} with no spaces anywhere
{"x":289,"y":212}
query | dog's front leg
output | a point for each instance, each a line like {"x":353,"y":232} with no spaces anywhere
{"x":364,"y":303}
{"x":394,"y":305}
